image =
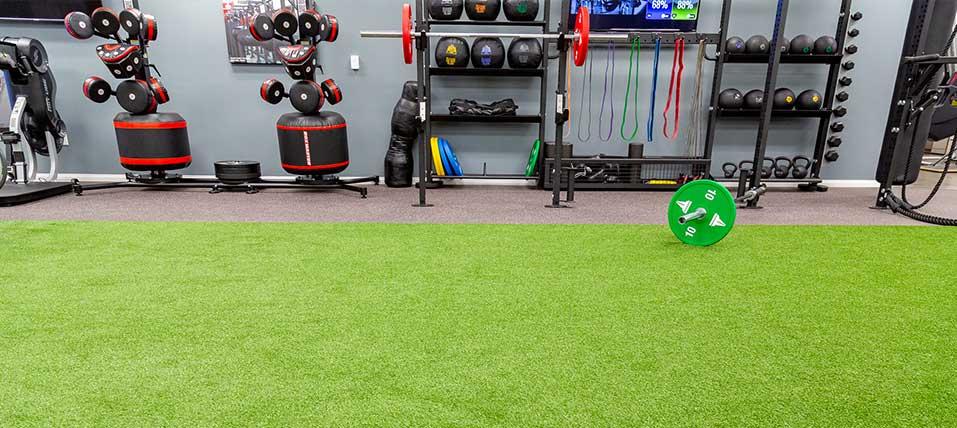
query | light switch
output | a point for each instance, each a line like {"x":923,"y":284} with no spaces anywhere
{"x":355,"y":62}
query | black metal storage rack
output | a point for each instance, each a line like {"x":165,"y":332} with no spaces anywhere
{"x":647,"y":173}
{"x":774,"y":60}
{"x":427,"y":172}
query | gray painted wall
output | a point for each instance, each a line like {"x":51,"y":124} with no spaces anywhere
{"x":229,"y":121}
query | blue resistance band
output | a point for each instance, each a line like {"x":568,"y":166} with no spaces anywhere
{"x":654,"y":93}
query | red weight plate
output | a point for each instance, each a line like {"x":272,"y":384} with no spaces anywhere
{"x":407,"y":32}
{"x":582,"y":34}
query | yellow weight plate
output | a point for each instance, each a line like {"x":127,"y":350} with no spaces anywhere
{"x":437,"y":157}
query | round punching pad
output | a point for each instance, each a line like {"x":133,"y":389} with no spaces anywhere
{"x":313,"y":145}
{"x":152,"y":142}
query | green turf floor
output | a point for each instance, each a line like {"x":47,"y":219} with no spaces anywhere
{"x":128,"y":324}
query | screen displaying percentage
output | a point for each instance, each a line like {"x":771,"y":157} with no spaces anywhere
{"x":673,"y":10}
{"x":659,"y":10}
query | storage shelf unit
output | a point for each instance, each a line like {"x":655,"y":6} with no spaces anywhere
{"x":766,"y":114}
{"x":446,"y":118}
{"x":426,"y":72}
{"x":679,"y":168}
{"x":777,"y":114}
{"x":785,"y":59}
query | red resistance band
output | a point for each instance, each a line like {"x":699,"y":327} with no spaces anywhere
{"x":674,"y":90}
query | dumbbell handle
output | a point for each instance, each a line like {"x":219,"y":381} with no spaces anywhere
{"x":699,"y":214}
{"x":750,"y":195}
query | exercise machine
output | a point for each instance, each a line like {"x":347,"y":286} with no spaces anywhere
{"x":35,"y":127}
{"x":922,"y":86}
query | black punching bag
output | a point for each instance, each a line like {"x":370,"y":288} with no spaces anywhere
{"x":398,"y":159}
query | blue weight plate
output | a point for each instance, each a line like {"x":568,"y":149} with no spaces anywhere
{"x":454,"y":167}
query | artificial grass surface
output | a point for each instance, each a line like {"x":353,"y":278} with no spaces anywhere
{"x":128,"y":324}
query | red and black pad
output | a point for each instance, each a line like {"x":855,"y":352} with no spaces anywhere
{"x":79,"y":25}
{"x":272,"y":91}
{"x":159,"y":91}
{"x":286,"y":22}
{"x":105,"y":21}
{"x":132,"y":21}
{"x":307,"y":96}
{"x":152,"y":142}
{"x":262,"y":28}
{"x":124,"y":61}
{"x":330,"y":28}
{"x":150,"y":30}
{"x":300,"y":61}
{"x":97,"y":89}
{"x":332,"y":92}
{"x":136,"y":96}
{"x":313,"y":144}
{"x":310,"y":24}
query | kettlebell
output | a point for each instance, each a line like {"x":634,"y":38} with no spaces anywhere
{"x":782,"y":167}
{"x":746,"y":168}
{"x":801,"y":167}
{"x":767,"y":170}
{"x":730,"y":169}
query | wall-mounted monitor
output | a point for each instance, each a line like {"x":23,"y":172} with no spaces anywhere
{"x":640,"y":15}
{"x":44,"y":10}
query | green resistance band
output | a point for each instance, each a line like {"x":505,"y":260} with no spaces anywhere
{"x":634,"y":65}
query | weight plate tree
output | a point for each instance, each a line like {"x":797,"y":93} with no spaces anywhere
{"x":702,"y":213}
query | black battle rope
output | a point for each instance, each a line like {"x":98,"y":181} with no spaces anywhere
{"x":586,"y":86}
{"x":634,"y":65}
{"x":609,"y":62}
{"x":910,"y":153}
{"x":901,"y":206}
{"x":694,"y":134}
{"x":674,"y":89}
{"x":654,"y":93}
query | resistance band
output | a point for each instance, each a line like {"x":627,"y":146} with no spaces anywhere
{"x":654,"y":92}
{"x":694,"y":135}
{"x":609,"y":62}
{"x":634,"y":65}
{"x":586,"y":87}
{"x":674,"y":88}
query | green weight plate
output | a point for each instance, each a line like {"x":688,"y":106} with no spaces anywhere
{"x":533,"y":158}
{"x":702,"y":213}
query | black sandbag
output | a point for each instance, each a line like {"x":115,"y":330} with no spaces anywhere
{"x":399,"y":167}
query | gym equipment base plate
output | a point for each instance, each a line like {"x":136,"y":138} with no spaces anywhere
{"x":13,"y":194}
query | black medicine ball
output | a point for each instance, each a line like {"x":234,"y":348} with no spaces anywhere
{"x":488,"y":52}
{"x":483,"y":10}
{"x":731,"y":99}
{"x":810,"y":100}
{"x":754,"y":100}
{"x":521,"y":10}
{"x":802,"y":45}
{"x":825,"y":45}
{"x":452,"y":52}
{"x":734,"y":45}
{"x":525,"y":53}
{"x":757,"y":45}
{"x":446,"y":10}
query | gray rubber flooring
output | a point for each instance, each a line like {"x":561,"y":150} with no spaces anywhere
{"x":467,"y":204}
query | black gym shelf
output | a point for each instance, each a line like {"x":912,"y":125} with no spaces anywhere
{"x":486,"y":119}
{"x":775,"y":180}
{"x":785,"y":59}
{"x":492,"y":72}
{"x":487,"y":177}
{"x":541,"y":24}
{"x":776,"y":114}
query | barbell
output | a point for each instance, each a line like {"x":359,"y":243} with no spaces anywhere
{"x":580,"y":38}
